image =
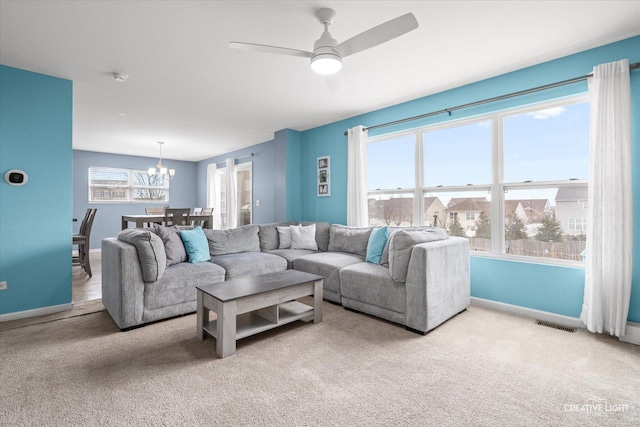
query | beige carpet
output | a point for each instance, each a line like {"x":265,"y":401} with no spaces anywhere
{"x":481,"y":368}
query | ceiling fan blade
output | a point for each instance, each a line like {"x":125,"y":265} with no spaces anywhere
{"x":336,"y":83}
{"x":270,"y":49}
{"x":378,"y":35}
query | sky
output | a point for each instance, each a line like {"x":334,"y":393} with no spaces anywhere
{"x":544,"y":145}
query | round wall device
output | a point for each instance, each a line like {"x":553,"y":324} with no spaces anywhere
{"x":16,"y":177}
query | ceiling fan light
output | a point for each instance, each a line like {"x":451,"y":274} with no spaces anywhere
{"x":326,"y":63}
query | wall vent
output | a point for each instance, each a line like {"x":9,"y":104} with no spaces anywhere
{"x":555,"y":326}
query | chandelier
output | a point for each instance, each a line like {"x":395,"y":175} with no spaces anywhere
{"x":161,"y":170}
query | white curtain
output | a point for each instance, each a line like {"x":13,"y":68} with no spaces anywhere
{"x":609,"y":218}
{"x":213,"y":201}
{"x":232,"y":200}
{"x":357,"y":208}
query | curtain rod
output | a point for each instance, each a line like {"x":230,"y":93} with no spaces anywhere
{"x":237,"y":158}
{"x":488,"y":100}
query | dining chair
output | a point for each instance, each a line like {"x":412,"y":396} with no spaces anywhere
{"x":82,"y":239}
{"x":200,"y":221}
{"x":154,"y":211}
{"x":178,"y":216}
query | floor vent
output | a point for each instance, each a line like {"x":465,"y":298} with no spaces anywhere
{"x":555,"y":326}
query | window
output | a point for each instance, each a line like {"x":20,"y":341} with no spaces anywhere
{"x":244,"y":197}
{"x":391,"y":180}
{"x":115,"y":185}
{"x":577,"y":224}
{"x":513,"y":182}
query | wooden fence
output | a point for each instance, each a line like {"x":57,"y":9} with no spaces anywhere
{"x":569,"y":250}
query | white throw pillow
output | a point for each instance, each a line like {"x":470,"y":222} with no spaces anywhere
{"x":304,"y":237}
{"x":284,"y":235}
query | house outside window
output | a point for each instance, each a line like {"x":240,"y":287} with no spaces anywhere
{"x":118,"y":185}
{"x":508,"y":181}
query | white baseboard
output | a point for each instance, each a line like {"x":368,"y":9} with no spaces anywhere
{"x":35,"y":312}
{"x":632,"y":333}
{"x":559,"y":319}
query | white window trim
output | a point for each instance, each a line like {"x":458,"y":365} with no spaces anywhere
{"x":497,"y":187}
{"x":130,"y":187}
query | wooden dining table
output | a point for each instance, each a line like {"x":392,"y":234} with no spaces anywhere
{"x":141,"y":220}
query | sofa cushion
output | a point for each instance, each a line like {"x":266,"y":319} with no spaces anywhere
{"x":173,"y":246}
{"x":151,"y":254}
{"x":291,"y":254}
{"x":384,"y":260}
{"x":377,"y":242}
{"x":249,"y":264}
{"x":327,"y":265}
{"x":196,"y":245}
{"x":268,"y":234}
{"x":241,"y":239}
{"x":284,"y":236}
{"x":353,"y":240}
{"x":401,"y":245}
{"x":371,"y":284}
{"x":303,"y":237}
{"x":322,"y":234}
{"x":178,"y":284}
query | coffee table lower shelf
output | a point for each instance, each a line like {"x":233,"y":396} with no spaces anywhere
{"x":254,"y":322}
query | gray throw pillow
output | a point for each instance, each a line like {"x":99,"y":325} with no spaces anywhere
{"x":284,"y":236}
{"x":353,"y":240}
{"x":150,"y":248}
{"x":232,"y":241}
{"x":402,"y":244}
{"x":173,"y":245}
{"x":268,"y":234}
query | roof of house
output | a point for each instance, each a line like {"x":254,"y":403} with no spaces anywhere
{"x":457,"y":200}
{"x":535,"y":205}
{"x":428,"y":201}
{"x":571,"y":194}
{"x":470,"y":205}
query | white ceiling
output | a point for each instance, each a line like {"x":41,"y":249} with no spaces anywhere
{"x":188,"y":88}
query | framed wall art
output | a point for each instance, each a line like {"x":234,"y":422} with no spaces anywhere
{"x":324,"y":176}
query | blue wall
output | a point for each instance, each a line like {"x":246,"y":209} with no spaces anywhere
{"x":268,"y":177}
{"x":542,"y":287}
{"x":182,"y":190}
{"x":35,"y":219}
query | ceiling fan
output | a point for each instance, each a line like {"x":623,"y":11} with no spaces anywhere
{"x":326,"y":58}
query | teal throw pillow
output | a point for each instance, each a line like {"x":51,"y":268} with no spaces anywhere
{"x":377,"y":240}
{"x":196,"y":245}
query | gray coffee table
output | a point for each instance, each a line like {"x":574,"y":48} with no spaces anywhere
{"x":249,"y":305}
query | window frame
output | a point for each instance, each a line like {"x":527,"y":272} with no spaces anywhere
{"x":497,"y":188}
{"x":130,"y":187}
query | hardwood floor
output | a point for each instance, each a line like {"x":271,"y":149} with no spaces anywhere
{"x":85,"y":288}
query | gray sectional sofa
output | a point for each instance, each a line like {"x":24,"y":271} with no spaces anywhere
{"x":421,"y":281}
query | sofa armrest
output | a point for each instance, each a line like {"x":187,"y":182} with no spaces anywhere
{"x":438,"y":282}
{"x":122,"y":284}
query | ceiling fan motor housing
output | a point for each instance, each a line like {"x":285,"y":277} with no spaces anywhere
{"x":325,"y":59}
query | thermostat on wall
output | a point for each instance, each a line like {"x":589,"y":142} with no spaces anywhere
{"x":16,"y":177}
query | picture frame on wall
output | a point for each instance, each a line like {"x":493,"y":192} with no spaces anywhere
{"x":323,"y":185}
